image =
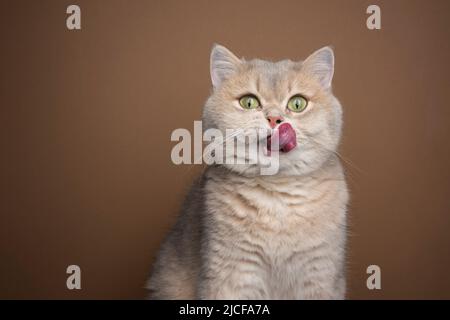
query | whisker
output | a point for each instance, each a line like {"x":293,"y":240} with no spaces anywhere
{"x":341,"y":157}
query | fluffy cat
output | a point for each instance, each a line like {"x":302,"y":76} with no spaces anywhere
{"x":243,"y":235}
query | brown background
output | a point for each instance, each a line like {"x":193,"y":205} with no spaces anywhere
{"x":86,"y":118}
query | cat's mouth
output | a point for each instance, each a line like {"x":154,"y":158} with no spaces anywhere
{"x":287,"y":139}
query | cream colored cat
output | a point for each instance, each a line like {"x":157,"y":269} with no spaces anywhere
{"x":243,"y":235}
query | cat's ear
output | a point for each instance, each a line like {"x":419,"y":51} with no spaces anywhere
{"x":320,"y":64}
{"x":223,"y":64}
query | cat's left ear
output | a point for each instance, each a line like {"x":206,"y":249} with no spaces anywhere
{"x":223,"y":64}
{"x":320,"y":64}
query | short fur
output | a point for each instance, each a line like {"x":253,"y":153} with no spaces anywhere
{"x":243,"y":235}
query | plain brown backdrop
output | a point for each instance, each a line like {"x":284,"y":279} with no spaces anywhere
{"x":86,"y":117}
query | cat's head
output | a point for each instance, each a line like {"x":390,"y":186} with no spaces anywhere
{"x":293,"y":96}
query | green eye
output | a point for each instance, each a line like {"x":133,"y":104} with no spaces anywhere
{"x":297,"y":104}
{"x":249,"y":102}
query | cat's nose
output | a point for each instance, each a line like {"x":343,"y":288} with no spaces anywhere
{"x":274,"y":121}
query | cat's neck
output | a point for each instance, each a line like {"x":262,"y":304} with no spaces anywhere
{"x":330,"y":169}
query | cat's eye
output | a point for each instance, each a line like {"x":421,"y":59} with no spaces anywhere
{"x":297,"y":104}
{"x":249,"y":102}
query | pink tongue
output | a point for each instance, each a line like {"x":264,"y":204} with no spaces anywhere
{"x":287,"y":138}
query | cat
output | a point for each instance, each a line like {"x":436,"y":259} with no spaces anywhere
{"x":243,"y":235}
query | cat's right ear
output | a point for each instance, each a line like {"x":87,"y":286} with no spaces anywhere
{"x":223,"y":64}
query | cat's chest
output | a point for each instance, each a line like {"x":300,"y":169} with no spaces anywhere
{"x":287,"y":205}
{"x":285,"y":227}
{"x":277,"y":214}
{"x":292,"y":216}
